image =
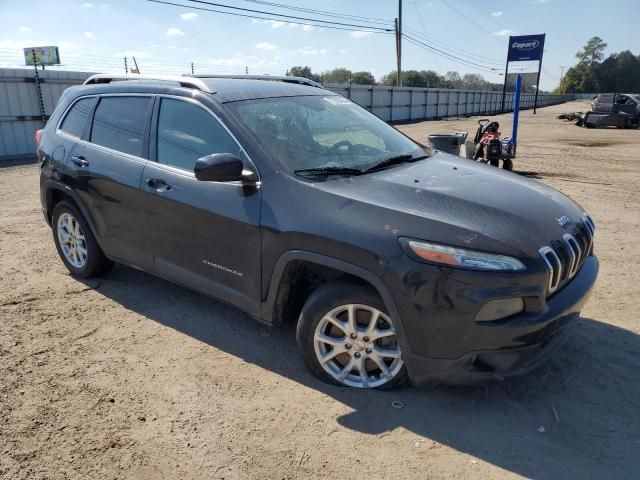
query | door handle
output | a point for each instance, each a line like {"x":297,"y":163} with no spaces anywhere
{"x":158,"y":184}
{"x":80,"y":161}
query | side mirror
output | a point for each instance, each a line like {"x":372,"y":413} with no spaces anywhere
{"x":219,"y":167}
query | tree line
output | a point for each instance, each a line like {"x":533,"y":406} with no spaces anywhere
{"x":620,"y":72}
{"x":410,"y":78}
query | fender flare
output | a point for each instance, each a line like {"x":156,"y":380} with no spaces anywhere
{"x":266,"y":307}
{"x":50,"y":186}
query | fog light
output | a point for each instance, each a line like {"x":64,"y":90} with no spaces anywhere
{"x":501,"y":308}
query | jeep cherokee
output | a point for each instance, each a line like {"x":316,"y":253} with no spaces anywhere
{"x":395,"y":262}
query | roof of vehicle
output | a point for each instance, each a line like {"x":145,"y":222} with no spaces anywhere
{"x":235,"y":89}
{"x":224,"y":89}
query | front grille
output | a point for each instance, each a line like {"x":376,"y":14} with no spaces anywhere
{"x":565,"y":257}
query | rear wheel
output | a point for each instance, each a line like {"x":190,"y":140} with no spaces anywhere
{"x":346,"y":337}
{"x":76,"y":244}
{"x":508,"y":164}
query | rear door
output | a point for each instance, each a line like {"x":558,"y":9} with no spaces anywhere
{"x":106,"y":168}
{"x":205,"y":234}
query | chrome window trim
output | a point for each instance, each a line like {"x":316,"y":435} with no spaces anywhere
{"x":221,"y":123}
{"x":66,"y":112}
{"x":169,"y":168}
{"x":59,"y":131}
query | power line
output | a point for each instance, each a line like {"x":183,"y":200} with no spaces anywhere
{"x":465,"y":17}
{"x":424,"y":29}
{"x":323,"y":12}
{"x":252,"y":14}
{"x":458,"y":51}
{"x":450,"y":56}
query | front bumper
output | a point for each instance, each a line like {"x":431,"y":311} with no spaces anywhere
{"x":445,"y":345}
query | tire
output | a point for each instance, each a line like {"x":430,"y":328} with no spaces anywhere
{"x":507,"y":165}
{"x":367,"y":355}
{"x":495,"y":163}
{"x":71,"y":233}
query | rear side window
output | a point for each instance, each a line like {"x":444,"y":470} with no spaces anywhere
{"x":76,"y":118}
{"x":119,"y":123}
{"x":187,"y":132}
{"x":607,"y":98}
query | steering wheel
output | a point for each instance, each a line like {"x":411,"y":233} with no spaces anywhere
{"x":339,"y":147}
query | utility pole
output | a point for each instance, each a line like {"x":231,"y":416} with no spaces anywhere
{"x":136,"y":64}
{"x":192,"y":70}
{"x":126,"y":67}
{"x":398,"y":29}
{"x":246,"y":70}
{"x":562,"y":67}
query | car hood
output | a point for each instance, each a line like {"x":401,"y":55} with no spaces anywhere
{"x":461,"y":202}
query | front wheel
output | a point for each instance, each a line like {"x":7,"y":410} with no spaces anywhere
{"x":347,"y":338}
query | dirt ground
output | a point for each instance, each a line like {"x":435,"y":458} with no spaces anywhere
{"x":130,"y":376}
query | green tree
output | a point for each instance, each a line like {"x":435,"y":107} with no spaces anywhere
{"x":304,"y":72}
{"x":337,"y":75}
{"x":592,"y":52}
{"x":363,"y":78}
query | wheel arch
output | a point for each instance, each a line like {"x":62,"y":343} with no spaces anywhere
{"x":55,"y":193}
{"x":270,"y":312}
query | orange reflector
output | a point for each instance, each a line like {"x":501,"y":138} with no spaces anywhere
{"x":437,"y":257}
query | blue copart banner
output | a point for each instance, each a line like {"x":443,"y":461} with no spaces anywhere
{"x":525,"y":47}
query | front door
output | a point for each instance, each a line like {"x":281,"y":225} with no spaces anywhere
{"x":205,"y":235}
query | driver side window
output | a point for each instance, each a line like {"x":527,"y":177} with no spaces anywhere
{"x":187,"y":132}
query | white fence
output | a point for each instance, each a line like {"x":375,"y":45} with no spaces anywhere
{"x":397,"y":104}
{"x":20,"y":114}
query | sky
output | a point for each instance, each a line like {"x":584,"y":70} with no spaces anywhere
{"x":167,"y":39}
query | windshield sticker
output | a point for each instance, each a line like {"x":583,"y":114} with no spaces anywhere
{"x":337,"y":100}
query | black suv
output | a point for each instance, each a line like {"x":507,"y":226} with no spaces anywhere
{"x":294,"y":204}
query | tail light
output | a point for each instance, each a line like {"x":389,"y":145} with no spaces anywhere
{"x":38,"y":136}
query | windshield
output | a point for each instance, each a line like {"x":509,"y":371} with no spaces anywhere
{"x":316,"y":132}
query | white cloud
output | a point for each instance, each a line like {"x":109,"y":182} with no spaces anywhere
{"x":277,"y":23}
{"x":25,"y":29}
{"x":174,"y":32}
{"x":542,"y":1}
{"x":189,"y":16}
{"x":343,"y":51}
{"x":172,"y":47}
{"x":496,"y":14}
{"x":503,"y":33}
{"x":307,"y":51}
{"x":89,"y":35}
{"x":87,"y":5}
{"x":266,"y":46}
{"x":360,"y":34}
{"x":307,"y":28}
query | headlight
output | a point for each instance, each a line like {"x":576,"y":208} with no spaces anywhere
{"x":459,"y":257}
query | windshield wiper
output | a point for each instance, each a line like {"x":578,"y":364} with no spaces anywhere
{"x":328,"y":171}
{"x":389,"y":162}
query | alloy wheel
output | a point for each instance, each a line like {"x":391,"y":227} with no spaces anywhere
{"x":72,"y":240}
{"x":357,"y":345}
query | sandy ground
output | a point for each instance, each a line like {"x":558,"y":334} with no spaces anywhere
{"x":130,"y":376}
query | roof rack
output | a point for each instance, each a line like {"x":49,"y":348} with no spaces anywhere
{"x":183,"y":81}
{"x":273,"y":78}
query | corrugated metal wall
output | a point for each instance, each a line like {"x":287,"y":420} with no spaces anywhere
{"x":394,"y":104}
{"x":20,"y":111}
